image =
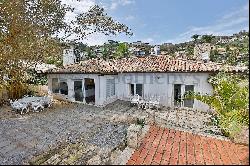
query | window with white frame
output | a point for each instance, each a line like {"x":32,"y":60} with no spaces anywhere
{"x":110,"y":87}
{"x":136,"y":89}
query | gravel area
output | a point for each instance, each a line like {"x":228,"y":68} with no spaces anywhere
{"x":88,"y":132}
{"x":109,"y":136}
{"x":23,"y":137}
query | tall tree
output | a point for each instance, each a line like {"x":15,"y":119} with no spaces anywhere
{"x":122,"y":51}
{"x":207,"y":38}
{"x":195,"y":37}
{"x":29,"y":32}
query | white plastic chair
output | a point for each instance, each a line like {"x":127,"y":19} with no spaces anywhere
{"x":135,"y":99}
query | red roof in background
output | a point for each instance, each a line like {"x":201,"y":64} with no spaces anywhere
{"x":146,"y":64}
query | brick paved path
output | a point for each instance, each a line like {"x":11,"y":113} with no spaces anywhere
{"x":167,"y":146}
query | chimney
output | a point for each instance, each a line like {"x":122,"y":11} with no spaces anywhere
{"x":69,"y":56}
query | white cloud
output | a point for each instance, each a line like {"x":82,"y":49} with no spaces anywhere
{"x":96,"y":39}
{"x":80,"y":6}
{"x":116,"y":3}
{"x":227,"y":24}
{"x":127,"y":2}
{"x":129,"y":17}
{"x":83,"y":6}
{"x":148,"y":40}
{"x":113,"y":6}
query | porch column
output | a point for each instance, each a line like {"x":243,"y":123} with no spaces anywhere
{"x":71,"y":93}
{"x":100,"y":90}
{"x":49,"y":85}
{"x":83,"y":91}
{"x":182,"y":94}
{"x":170,"y":95}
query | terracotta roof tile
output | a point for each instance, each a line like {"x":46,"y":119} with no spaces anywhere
{"x":146,"y":64}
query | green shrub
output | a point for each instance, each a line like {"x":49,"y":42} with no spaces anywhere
{"x":230,"y":100}
{"x":141,"y":122}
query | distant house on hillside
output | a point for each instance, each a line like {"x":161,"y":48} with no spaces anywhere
{"x":202,"y":51}
{"x":101,"y":82}
{"x":156,"y":50}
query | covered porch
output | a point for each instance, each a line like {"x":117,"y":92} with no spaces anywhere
{"x":75,"y":87}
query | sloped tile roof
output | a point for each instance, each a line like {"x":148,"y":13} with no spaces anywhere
{"x":146,"y":64}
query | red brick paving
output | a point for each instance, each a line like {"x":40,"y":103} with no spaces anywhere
{"x":162,"y":146}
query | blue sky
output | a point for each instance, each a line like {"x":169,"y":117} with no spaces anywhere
{"x":160,"y":21}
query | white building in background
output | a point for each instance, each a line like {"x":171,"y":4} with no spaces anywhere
{"x":156,"y":50}
{"x":202,"y":51}
{"x":101,"y":82}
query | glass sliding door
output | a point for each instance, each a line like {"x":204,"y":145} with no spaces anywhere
{"x":179,"y":91}
{"x":78,"y":90}
{"x":55,"y":85}
{"x":63,"y":87}
{"x":132,"y":89}
{"x":139,"y":89}
{"x":189,"y":103}
{"x":177,"y":95}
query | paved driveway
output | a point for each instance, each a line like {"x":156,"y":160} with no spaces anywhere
{"x":22,"y":138}
{"x":163,"y":146}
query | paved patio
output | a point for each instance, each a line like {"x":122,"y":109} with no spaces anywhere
{"x":163,"y":146}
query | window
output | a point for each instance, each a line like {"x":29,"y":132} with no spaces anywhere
{"x":63,"y":87}
{"x":55,"y":85}
{"x":136,"y":89}
{"x":110,"y":87}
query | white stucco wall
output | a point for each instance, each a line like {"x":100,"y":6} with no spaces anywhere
{"x":161,"y":84}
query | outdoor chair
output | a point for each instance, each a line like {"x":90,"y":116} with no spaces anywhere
{"x":141,"y":103}
{"x":37,"y":106}
{"x":153,"y":102}
{"x":134,"y":99}
{"x":18,"y":106}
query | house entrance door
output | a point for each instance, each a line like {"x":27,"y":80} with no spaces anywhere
{"x":179,"y":91}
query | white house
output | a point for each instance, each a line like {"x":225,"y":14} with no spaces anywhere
{"x":101,"y":82}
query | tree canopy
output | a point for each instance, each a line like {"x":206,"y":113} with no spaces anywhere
{"x":31,"y":30}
